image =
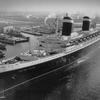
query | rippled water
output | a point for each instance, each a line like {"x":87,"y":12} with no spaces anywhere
{"x":84,"y":83}
{"x":80,"y":83}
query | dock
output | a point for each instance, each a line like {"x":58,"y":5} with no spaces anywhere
{"x":12,"y":40}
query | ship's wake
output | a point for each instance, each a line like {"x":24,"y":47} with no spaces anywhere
{"x":84,"y":83}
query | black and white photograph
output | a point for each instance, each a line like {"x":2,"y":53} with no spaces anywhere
{"x":49,"y":49}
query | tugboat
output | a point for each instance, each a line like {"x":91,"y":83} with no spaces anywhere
{"x":53,"y":54}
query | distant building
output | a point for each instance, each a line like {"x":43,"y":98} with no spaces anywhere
{"x":8,"y":29}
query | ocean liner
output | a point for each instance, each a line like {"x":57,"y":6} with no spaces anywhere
{"x":53,"y":54}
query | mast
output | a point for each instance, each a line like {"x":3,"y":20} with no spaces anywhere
{"x":30,"y":48}
{"x":56,"y":30}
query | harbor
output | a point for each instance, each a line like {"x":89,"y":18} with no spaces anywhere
{"x":13,"y":50}
{"x":43,"y":66}
{"x":49,"y":50}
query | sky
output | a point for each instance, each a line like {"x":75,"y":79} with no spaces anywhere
{"x":73,"y":6}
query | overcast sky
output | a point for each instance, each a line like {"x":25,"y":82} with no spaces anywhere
{"x":88,"y":6}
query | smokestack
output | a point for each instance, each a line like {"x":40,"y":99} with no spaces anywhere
{"x":67,"y":26}
{"x":86,"y":23}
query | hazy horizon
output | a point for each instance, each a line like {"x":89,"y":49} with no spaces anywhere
{"x":89,"y":7}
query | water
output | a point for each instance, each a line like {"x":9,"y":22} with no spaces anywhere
{"x":21,"y":47}
{"x":80,"y":83}
{"x":84,"y":83}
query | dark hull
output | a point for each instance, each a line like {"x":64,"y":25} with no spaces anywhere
{"x":12,"y":79}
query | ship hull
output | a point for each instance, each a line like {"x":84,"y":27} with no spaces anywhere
{"x":12,"y":79}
